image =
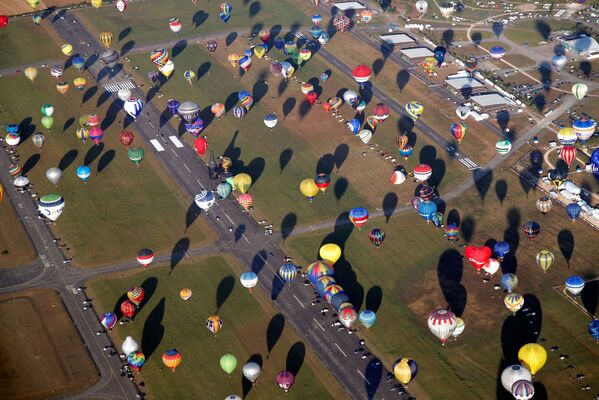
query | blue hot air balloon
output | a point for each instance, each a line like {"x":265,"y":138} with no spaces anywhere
{"x":367,"y":318}
{"x":509,"y":282}
{"x":316,"y":19}
{"x":594,"y":329}
{"x":79,"y":63}
{"x":594,"y":161}
{"x":288,"y":272}
{"x":575,"y":284}
{"x":573,"y":211}
{"x":83,"y":173}
{"x":501,"y":249}
{"x":316,"y":31}
{"x":427,"y":210}
{"x":173,"y":106}
{"x":241,"y":95}
{"x":354,"y":126}
{"x":440,"y":52}
{"x":279,"y":43}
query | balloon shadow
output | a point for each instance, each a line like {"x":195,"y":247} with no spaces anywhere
{"x":274,"y":331}
{"x":341,"y":153}
{"x":565,"y":241}
{"x":105,"y":160}
{"x":239,"y":231}
{"x":467,"y":228}
{"x":325,"y":164}
{"x":203,"y":69}
{"x":153,"y":330}
{"x":373,"y":376}
{"x":68,"y":123}
{"x":30,"y":163}
{"x":199,"y":18}
{"x":287,"y":225}
{"x":124,"y":33}
{"x":149,"y":285}
{"x":389,"y":205}
{"x":26,"y":129}
{"x":246,"y":384}
{"x":179,"y":251}
{"x":223,"y":291}
{"x":288,"y":106}
{"x":193,"y":211}
{"x":259,"y":261}
{"x":295,"y":358}
{"x":428,"y":155}
{"x":590,"y":293}
{"x":111,"y":114}
{"x":127,"y":47}
{"x":374,"y":298}
{"x":89,"y":93}
{"x":67,"y":159}
{"x":521,"y":328}
{"x":501,"y":190}
{"x":255,"y":8}
{"x":179,"y":47}
{"x":403,"y":77}
{"x":285,"y":158}
{"x":93,"y":153}
{"x":277,"y":287}
{"x":512,"y":236}
{"x":340,"y":187}
{"x":117,"y":306}
{"x":230,"y":38}
{"x":482,"y":181}
{"x":449,"y":272}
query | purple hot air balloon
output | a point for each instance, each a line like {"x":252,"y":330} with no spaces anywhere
{"x":195,"y":127}
{"x":173,"y":106}
{"x":153,"y":76}
{"x":285,"y":379}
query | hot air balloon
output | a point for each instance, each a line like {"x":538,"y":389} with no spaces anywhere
{"x":83,"y":173}
{"x":347,"y":316}
{"x":322,"y":181}
{"x":361,"y":74}
{"x":358,"y":216}
{"x":365,"y":135}
{"x":79,"y":64}
{"x":575,"y":284}
{"x":175,"y":25}
{"x":341,"y":23}
{"x":463,"y":111}
{"x":228,"y":363}
{"x":270,"y":120}
{"x":318,"y":269}
{"x":189,"y":76}
{"x":218,"y":109}
{"x":287,"y":70}
{"x":512,"y":374}
{"x":136,"y":294}
{"x":96,"y":3}
{"x":145,"y":257}
{"x":82,"y":134}
{"x":136,"y":155}
{"x":497,"y":52}
{"x":106,"y":39}
{"x":421,"y":6}
{"x":579,"y":90}
{"x":110,"y":58}
{"x":513,"y":302}
{"x":523,"y":390}
{"x":30,"y":73}
{"x":461,"y":325}
{"x":66,"y":49}
{"x":532,"y":356}
{"x":422,"y":172}
{"x":251,"y":371}
{"x":185,"y":294}
{"x":96,"y":134}
{"x":331,"y":290}
{"x":288,"y":272}
{"x":451,"y":232}
{"x":458,"y":131}
{"x":544,"y":205}
{"x":442,"y":323}
{"x":200,"y":145}
{"x":37,"y":19}
{"x":126,"y":138}
{"x":129,"y":346}
{"x":330,"y":252}
{"x":568,"y":154}
{"x":509,"y":282}
{"x":405,"y":370}
{"x":491,"y":266}
{"x":594,"y":329}
{"x":567,"y":136}
{"x":414,"y":109}
{"x":559,"y":61}
{"x":189,"y":111}
{"x":381,"y":112}
{"x":316,"y":19}
{"x":159,"y":57}
{"x":133,"y":106}
{"x":214,"y":324}
{"x":584,"y":128}
{"x":224,"y":190}
{"x":21,"y":183}
{"x":205,"y":200}
{"x":128,"y":309}
{"x":38,"y":140}
{"x":503,"y":146}
{"x":121,"y":5}
{"x":439,"y":53}
{"x":477,"y":256}
{"x":245,"y":63}
{"x":531,"y":229}
{"x":233,"y":59}
{"x":242,"y":182}
{"x":53,"y":175}
{"x":136,"y":360}
{"x":79,"y":83}
{"x":248,"y":280}
{"x":354,"y":126}
{"x":50,"y":206}
{"x":225,"y":11}
{"x":246,"y":201}
{"x":171,"y":358}
{"x":211,"y":45}
{"x":427,"y":210}
{"x":376,"y":236}
{"x":309,"y":189}
{"x":545,"y":259}
{"x":573,"y":211}
{"x":108,"y":320}
{"x":55,"y":71}
{"x":285,"y":380}
{"x":429,"y":65}
{"x":558,"y":176}
{"x":367,"y":318}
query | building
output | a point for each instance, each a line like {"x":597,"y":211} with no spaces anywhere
{"x":398,"y":40}
{"x":416,"y":54}
{"x":466,"y":86}
{"x":582,"y":45}
{"x":350,"y":5}
{"x":490,"y":102}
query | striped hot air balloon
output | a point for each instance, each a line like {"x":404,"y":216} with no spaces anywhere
{"x":318,"y":269}
{"x":358,"y":216}
{"x":106,"y":39}
{"x":405,"y":370}
{"x":458,"y":130}
{"x":531,"y":229}
{"x":246,"y":201}
{"x":544,"y":205}
{"x":442,"y":323}
{"x":288,"y":272}
{"x":579,"y":90}
{"x":513,"y":302}
{"x":545,"y":259}
{"x":171,"y":359}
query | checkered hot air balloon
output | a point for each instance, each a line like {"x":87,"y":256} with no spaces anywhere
{"x":341,"y":23}
{"x":136,"y":294}
{"x":136,"y":360}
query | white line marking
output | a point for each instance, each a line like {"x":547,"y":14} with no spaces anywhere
{"x":298,"y":300}
{"x":362,"y":375}
{"x":176,"y":155}
{"x":152,"y":125}
{"x":157,"y":145}
{"x":186,"y":167}
{"x":229,"y":218}
{"x":336,"y":345}
{"x":176,"y":141}
{"x":320,"y":326}
{"x":263,"y":259}
{"x":245,"y":237}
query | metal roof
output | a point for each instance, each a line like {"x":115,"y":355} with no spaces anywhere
{"x":350,"y":5}
{"x":464,"y":83}
{"x":491,"y":99}
{"x":417,"y":52}
{"x":397,"y":38}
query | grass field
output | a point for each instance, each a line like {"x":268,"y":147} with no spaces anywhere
{"x":519,"y":60}
{"x":416,"y":271}
{"x":534,"y":31}
{"x":42,"y":354}
{"x":101,"y":218}
{"x":24,"y":42}
{"x":15,"y":7}
{"x":251,"y":329}
{"x":15,"y":247}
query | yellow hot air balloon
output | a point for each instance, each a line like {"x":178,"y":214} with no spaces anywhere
{"x":259,"y":51}
{"x":233,"y":59}
{"x":533,"y":356}
{"x":66,"y":49}
{"x":33,"y":3}
{"x":242,"y":182}
{"x":79,"y":83}
{"x":330,"y":252}
{"x":545,"y":259}
{"x":96,"y":3}
{"x":309,"y":189}
{"x":106,"y":38}
{"x":31,"y":73}
{"x":185,"y":294}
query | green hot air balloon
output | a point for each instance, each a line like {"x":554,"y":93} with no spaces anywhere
{"x":47,"y":109}
{"x":228,"y":363}
{"x":224,"y":190}
{"x":47,"y":122}
{"x":83,"y":120}
{"x":136,"y":154}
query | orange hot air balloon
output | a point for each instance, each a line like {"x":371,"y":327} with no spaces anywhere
{"x":62,"y":87}
{"x":402,"y":140}
{"x":171,"y":359}
{"x":245,"y":200}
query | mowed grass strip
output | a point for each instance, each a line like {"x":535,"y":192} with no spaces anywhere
{"x":15,"y":247}
{"x":252,"y":329}
{"x":121,"y":208}
{"x":416,"y":271}
{"x":42,"y":354}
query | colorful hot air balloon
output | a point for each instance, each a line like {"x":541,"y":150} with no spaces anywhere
{"x":211,"y":45}
{"x":442,"y":323}
{"x":83,"y":173}
{"x":288,"y":272}
{"x":376,"y":237}
{"x":427,"y":210}
{"x":459,"y":328}
{"x":367,"y":318}
{"x":218,"y":109}
{"x":347,"y":316}
{"x":96,"y":3}
{"x":533,"y":356}
{"x":322,"y":181}
{"x":224,"y":190}
{"x":381,"y":112}
{"x":309,"y":189}
{"x":567,"y":136}
{"x":331,"y":290}
{"x":145,"y":257}
{"x":503,"y":146}
{"x":405,"y":370}
{"x":513,"y":302}
{"x":422,"y":172}
{"x":491,"y":266}
{"x":171,"y":358}
{"x":136,"y":360}
{"x":341,"y":23}
{"x":421,"y":6}
{"x":225,"y":11}
{"x":214,"y":324}
{"x":594,"y":329}
{"x":82,"y":134}
{"x":38,"y":140}
{"x":512,"y":374}
{"x":50,"y":206}
{"x":246,"y":201}
{"x":358,"y":216}
{"x":120,"y":5}
{"x":414,"y":109}
{"x":452,"y":232}
{"x":523,"y":390}
{"x":228,"y":363}
{"x":429,"y":65}
{"x":175,"y":25}
{"x":458,"y":131}
{"x":318,"y":269}
{"x":477,"y":256}
{"x":108,"y":320}
{"x":96,"y":134}
{"x":136,"y":294}
{"x":531,"y":229}
{"x":242,"y":182}
{"x":584,"y":128}
{"x":133,"y":106}
{"x":128,"y":308}
{"x":126,"y":138}
{"x":330,"y":252}
{"x":568,"y":154}
{"x":285,"y":380}
{"x":205,"y":200}
{"x":545,"y":259}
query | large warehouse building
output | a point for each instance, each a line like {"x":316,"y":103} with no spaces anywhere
{"x":490,"y":102}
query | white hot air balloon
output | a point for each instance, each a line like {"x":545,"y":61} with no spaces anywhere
{"x":248,"y":280}
{"x":205,"y":200}
{"x":491,"y":266}
{"x":459,"y":328}
{"x":124,"y":94}
{"x":133,"y":106}
{"x":271,"y":120}
{"x":51,"y":206}
{"x":251,"y":371}
{"x":559,"y":61}
{"x":21,"y":182}
{"x":53,"y":175}
{"x":446,"y":10}
{"x":463,"y":111}
{"x":442,"y":323}
{"x":579,"y":90}
{"x":350,"y":97}
{"x":398,"y":177}
{"x":421,"y":6}
{"x":512,"y":374}
{"x":129,"y":346}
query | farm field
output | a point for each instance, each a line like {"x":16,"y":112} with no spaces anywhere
{"x":118,"y":199}
{"x":42,"y":354}
{"x":252,"y":330}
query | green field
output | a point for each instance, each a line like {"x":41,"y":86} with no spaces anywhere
{"x":416,"y":271}
{"x":251,"y":328}
{"x":15,"y":247}
{"x":534,"y":31}
{"x":24,"y":42}
{"x":119,"y":200}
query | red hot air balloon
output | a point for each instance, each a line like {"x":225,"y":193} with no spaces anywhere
{"x":145,"y":257}
{"x":311,"y":97}
{"x":128,"y":309}
{"x":568,"y":154}
{"x":361,"y":74}
{"x":136,"y":294}
{"x":3,"y":21}
{"x":477,"y":256}
{"x":327,"y":106}
{"x":126,"y":138}
{"x":200,"y":145}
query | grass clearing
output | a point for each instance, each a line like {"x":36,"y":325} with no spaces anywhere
{"x":102,"y":218}
{"x":165,"y":321}
{"x":533,"y":31}
{"x":520,"y":60}
{"x":24,"y":42}
{"x":15,"y":247}
{"x":42,"y":354}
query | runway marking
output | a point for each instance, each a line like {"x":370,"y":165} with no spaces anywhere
{"x":174,"y":153}
{"x":468,"y":163}
{"x":176,"y":141}
{"x":298,"y":300}
{"x":320,"y":326}
{"x":203,"y":187}
{"x":186,"y":167}
{"x":246,"y":239}
{"x":152,"y":125}
{"x":115,"y":87}
{"x":157,"y":145}
{"x":229,"y":218}
{"x":362,"y":375}
{"x":342,"y":352}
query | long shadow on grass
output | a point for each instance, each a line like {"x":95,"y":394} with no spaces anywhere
{"x":105,"y":160}
{"x":340,"y":188}
{"x":230,"y":38}
{"x":127,"y":47}
{"x":199,"y":18}
{"x":193,"y":211}
{"x":449,"y":271}
{"x":512,"y":237}
{"x":89,"y":93}
{"x":288,"y":106}
{"x":178,"y":252}
{"x":565,"y":241}
{"x":255,"y":169}
{"x":482,"y":181}
{"x":26,"y":128}
{"x":287,"y":225}
{"x":374,"y":298}
{"x":344,"y":274}
{"x":179,"y":47}
{"x":277,"y":287}
{"x":260,"y":88}
{"x":428,"y":155}
{"x":246,"y":384}
{"x":258,"y":261}
{"x":153,"y":330}
{"x":325,"y":164}
{"x":501,"y":190}
{"x":374,"y":375}
{"x":30,"y":163}
{"x":285,"y":158}
{"x":232,"y":151}
{"x":590,"y":293}
{"x":68,"y":123}
{"x":93,"y":153}
{"x":223,"y":291}
{"x":467,"y":228}
{"x":67,"y":159}
{"x":389,"y":205}
{"x":111,"y":114}
{"x":295,"y":358}
{"x":341,"y":153}
{"x":124,"y":33}
{"x":149,"y":286}
{"x":274,"y":332}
